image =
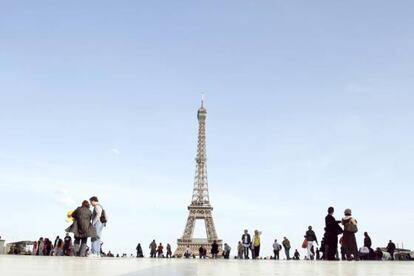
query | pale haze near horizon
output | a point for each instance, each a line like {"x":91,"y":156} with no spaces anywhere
{"x":309,"y":106}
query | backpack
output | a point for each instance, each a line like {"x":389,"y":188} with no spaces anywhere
{"x":103,"y":218}
{"x":351,"y":227}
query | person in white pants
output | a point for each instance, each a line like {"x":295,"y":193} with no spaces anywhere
{"x":311,"y":238}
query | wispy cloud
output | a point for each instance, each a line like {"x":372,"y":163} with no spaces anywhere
{"x":115,"y":151}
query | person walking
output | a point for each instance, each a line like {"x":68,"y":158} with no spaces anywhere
{"x":139,"y":251}
{"x":311,"y":239}
{"x":169,"y":251}
{"x":99,"y":222}
{"x":391,"y":249}
{"x":82,"y":228}
{"x":286,"y":246}
{"x":332,"y":231}
{"x":214,"y":250}
{"x":240,"y":250}
{"x":348,"y":239}
{"x":246,"y":241}
{"x":153,"y":249}
{"x":276,"y":249}
{"x":256,"y":244}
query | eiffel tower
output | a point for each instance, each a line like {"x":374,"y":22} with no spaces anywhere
{"x":200,"y":208}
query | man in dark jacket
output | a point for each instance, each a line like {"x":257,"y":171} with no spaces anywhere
{"x":332,"y":231}
{"x":247,"y":241}
{"x":391,"y":249}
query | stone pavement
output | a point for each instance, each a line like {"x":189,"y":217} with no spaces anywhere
{"x":32,"y":265}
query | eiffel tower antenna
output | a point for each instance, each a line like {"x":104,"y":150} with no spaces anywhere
{"x":200,"y":207}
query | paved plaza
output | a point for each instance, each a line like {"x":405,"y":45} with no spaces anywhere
{"x":22,"y":265}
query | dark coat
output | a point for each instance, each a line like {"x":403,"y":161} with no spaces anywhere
{"x":248,"y":238}
{"x":310,"y":236}
{"x":332,"y":226}
{"x":82,"y":226}
{"x":214,"y":248}
{"x":367,"y":242}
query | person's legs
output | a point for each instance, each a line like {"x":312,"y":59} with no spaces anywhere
{"x":309,"y":248}
{"x":96,"y":242}
{"x":246,"y":252}
{"x":82,"y":251}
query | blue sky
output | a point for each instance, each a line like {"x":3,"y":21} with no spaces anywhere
{"x":309,"y":105}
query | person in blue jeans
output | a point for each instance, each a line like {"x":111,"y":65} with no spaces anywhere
{"x":99,"y":223}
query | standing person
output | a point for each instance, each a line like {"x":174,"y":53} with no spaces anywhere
{"x":169,"y":251}
{"x":311,"y":238}
{"x":367,"y":241}
{"x":140,"y":254}
{"x":202,"y":252}
{"x":276,"y":249}
{"x":56,"y":241}
{"x":67,"y":242}
{"x":391,"y":249}
{"x":256,"y":243}
{"x":332,"y":231}
{"x":240,"y":250}
{"x":160,"y":251}
{"x":153,"y":249}
{"x":187,"y":252}
{"x":226,"y":251}
{"x":82,"y":228}
{"x":99,"y":222}
{"x":59,"y":248}
{"x":246,"y":241}
{"x":34,"y":251}
{"x":348,"y":238}
{"x":214,"y":250}
{"x":286,"y":245}
{"x":40,"y":245}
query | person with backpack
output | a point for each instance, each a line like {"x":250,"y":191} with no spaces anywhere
{"x":99,"y":222}
{"x":348,"y":238}
{"x":276,"y":249}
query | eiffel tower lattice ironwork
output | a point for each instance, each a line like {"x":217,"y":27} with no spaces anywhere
{"x":200,"y":207}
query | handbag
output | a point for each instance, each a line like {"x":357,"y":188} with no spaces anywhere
{"x":305,"y":244}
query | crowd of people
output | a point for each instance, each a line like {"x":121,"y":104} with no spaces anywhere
{"x":89,"y":224}
{"x":250,"y":246}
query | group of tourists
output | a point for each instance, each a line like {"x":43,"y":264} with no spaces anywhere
{"x":60,"y":247}
{"x":156,"y":251}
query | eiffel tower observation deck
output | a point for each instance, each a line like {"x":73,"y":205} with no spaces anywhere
{"x":200,"y":207}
